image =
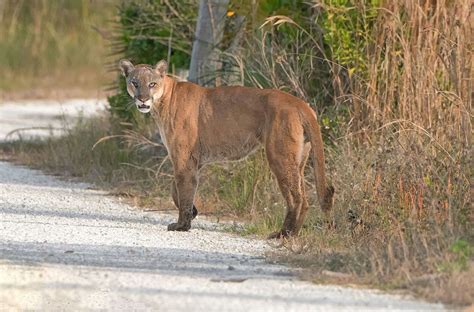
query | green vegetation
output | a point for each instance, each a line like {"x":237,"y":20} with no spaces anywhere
{"x":391,"y":83}
{"x":53,"y":44}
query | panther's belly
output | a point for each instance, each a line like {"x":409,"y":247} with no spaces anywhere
{"x":228,"y":152}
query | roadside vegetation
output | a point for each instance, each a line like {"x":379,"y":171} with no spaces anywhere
{"x":392,"y":84}
{"x":50,"y":46}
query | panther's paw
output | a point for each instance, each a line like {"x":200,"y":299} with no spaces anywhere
{"x":179,"y":227}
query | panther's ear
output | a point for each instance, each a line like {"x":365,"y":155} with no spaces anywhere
{"x":126,"y":67}
{"x":161,"y":68}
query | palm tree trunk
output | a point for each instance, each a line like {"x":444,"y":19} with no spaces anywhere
{"x":209,"y":32}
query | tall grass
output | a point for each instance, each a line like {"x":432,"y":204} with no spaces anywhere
{"x":53,"y":44}
{"x":400,"y":156}
{"x":420,"y":73}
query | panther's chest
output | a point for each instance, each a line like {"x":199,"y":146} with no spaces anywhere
{"x":163,"y":138}
{"x":163,"y":134}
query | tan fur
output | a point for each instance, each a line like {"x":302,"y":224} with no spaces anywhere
{"x":205,"y":125}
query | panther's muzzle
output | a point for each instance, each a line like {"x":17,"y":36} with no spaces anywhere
{"x":143,"y":106}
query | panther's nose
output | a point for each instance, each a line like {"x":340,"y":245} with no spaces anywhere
{"x":142,"y":98}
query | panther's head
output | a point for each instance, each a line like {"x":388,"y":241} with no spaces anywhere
{"x":145,"y":83}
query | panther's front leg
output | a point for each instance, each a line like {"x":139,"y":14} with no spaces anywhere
{"x":174,"y":195}
{"x":186,"y":183}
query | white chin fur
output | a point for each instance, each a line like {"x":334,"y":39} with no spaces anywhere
{"x":144,"y":110}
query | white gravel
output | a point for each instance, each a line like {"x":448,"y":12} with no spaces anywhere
{"x":29,"y":119}
{"x":65,"y":246}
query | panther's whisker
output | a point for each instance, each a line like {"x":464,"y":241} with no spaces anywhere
{"x":130,"y":105}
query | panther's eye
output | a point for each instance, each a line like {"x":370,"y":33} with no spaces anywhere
{"x":135,"y":84}
{"x":152,"y":84}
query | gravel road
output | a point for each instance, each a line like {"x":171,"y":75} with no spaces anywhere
{"x":38,"y":118}
{"x":66,"y":246}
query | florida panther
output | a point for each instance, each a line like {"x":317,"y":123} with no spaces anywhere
{"x":200,"y":125}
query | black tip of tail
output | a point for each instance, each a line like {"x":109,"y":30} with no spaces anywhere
{"x":195,"y":211}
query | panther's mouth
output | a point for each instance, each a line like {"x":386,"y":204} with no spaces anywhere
{"x":144,"y":108}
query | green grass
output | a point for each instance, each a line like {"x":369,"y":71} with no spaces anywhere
{"x":53,"y":44}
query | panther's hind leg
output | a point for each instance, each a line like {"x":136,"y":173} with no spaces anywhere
{"x":290,"y":188}
{"x":284,"y":148}
{"x":304,"y":205}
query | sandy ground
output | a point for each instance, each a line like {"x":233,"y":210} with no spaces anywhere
{"x":66,"y":246}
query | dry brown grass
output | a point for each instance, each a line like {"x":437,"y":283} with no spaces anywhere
{"x":394,"y":226}
{"x":420,"y":73}
{"x":402,"y":165}
{"x":456,"y":288}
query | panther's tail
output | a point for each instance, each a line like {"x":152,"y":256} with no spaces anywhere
{"x":311,"y":126}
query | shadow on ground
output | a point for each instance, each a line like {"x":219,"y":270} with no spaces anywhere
{"x":172,"y":261}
